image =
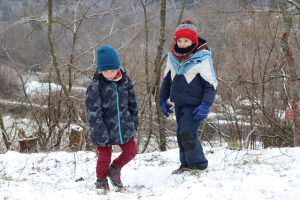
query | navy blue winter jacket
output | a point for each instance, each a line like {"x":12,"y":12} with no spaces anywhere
{"x":190,"y":82}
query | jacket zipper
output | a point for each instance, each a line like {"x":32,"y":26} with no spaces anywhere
{"x":118,"y":109}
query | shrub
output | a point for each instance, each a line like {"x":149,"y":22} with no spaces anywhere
{"x":9,"y":86}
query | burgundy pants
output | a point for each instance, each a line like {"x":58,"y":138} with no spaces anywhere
{"x":129,"y":151}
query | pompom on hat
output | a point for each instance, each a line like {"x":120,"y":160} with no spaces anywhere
{"x":107,"y":58}
{"x":186,"y":29}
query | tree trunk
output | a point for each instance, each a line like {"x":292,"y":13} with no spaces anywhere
{"x":157,"y":65}
{"x":76,"y":139}
{"x":286,"y":27}
{"x":3,"y":131}
{"x":27,"y":144}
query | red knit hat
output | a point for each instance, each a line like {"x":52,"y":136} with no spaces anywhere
{"x":186,"y":29}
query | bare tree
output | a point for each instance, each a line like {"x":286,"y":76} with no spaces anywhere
{"x":286,"y":24}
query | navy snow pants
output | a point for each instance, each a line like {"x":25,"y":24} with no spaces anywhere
{"x":190,"y":149}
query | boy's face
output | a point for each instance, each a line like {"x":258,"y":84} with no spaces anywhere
{"x":110,"y":74}
{"x":184,"y":42}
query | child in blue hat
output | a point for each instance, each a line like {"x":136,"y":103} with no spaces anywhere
{"x":112,"y":114}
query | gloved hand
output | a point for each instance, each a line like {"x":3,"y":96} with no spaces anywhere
{"x":201,"y":111}
{"x":135,"y":123}
{"x":165,"y":107}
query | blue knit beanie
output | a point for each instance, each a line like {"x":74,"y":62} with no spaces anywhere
{"x":108,"y":58}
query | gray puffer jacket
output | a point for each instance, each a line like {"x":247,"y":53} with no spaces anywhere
{"x":112,"y":110}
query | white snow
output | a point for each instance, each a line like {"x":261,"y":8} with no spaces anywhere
{"x":248,"y":174}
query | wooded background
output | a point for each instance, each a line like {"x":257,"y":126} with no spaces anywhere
{"x":255,"y":48}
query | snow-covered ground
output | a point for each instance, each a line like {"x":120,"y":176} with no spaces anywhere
{"x":256,"y":174}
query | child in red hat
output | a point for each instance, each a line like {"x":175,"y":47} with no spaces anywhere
{"x":190,"y":83}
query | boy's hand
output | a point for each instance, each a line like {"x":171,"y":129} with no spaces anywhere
{"x":135,"y":123}
{"x":201,"y":111}
{"x":165,"y":107}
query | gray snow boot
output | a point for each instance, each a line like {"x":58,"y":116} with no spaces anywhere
{"x":102,"y":184}
{"x":114,"y":174}
{"x":186,"y":169}
{"x":181,"y":170}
